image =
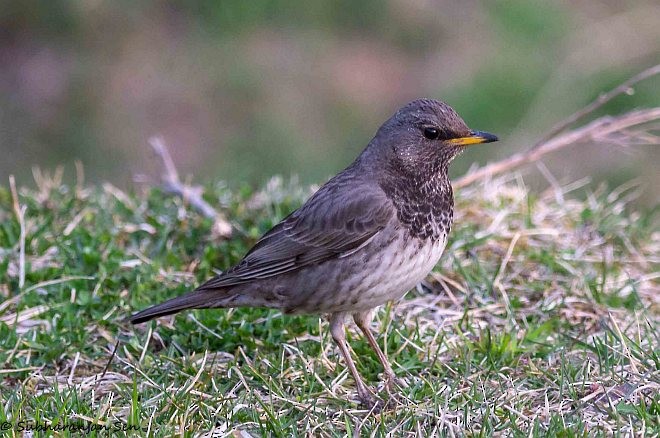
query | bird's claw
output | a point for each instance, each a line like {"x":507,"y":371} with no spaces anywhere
{"x":393,"y":382}
{"x":370,"y":401}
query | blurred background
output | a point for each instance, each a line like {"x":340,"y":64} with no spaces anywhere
{"x":242,"y":90}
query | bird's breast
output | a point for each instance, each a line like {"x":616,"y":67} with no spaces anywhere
{"x":384,"y":270}
{"x":405,"y":264}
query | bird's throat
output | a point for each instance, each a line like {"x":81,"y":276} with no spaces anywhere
{"x":424,"y":203}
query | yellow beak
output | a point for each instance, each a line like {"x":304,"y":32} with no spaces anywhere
{"x":475,"y":137}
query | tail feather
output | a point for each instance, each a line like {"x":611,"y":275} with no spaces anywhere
{"x":198,"y":299}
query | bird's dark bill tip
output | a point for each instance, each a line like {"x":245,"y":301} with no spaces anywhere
{"x":486,"y":137}
{"x":475,"y":137}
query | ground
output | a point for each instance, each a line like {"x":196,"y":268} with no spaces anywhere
{"x":541,"y":319}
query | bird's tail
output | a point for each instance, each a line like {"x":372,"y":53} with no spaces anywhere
{"x":198,"y":299}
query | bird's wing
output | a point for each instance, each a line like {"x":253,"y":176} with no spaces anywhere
{"x":341,"y":217}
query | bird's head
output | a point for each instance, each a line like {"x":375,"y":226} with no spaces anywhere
{"x":424,"y":135}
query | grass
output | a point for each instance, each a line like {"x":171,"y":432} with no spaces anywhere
{"x":541,"y":319}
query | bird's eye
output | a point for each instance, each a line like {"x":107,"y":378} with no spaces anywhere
{"x":431,"y":133}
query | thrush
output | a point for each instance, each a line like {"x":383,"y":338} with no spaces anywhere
{"x":367,"y":236}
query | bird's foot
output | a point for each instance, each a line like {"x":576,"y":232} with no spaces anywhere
{"x":393,"y":386}
{"x":370,"y":401}
{"x":392,"y":382}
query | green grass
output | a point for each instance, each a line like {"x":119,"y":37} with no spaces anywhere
{"x":541,"y":319}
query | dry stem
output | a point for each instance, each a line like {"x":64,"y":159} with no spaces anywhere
{"x":601,"y":100}
{"x":598,"y":129}
{"x":190,"y":194}
{"x":20,"y":217}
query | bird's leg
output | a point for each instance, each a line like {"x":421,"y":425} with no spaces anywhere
{"x":363,"y":319}
{"x":339,"y":335}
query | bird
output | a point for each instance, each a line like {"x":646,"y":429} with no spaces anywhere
{"x":366,"y":237}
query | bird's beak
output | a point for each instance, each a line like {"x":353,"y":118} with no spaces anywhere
{"x":475,"y":137}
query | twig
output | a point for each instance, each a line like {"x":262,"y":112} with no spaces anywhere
{"x":552,"y":140}
{"x":20,"y":217}
{"x":190,"y":194}
{"x":107,"y":365}
{"x":601,"y":100}
{"x":597,"y":129}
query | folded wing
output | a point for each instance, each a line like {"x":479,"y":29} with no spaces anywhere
{"x":337,"y":220}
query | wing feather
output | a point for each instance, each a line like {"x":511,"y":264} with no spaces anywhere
{"x":338,"y":220}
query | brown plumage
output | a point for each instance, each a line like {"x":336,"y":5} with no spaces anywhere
{"x":367,"y":236}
